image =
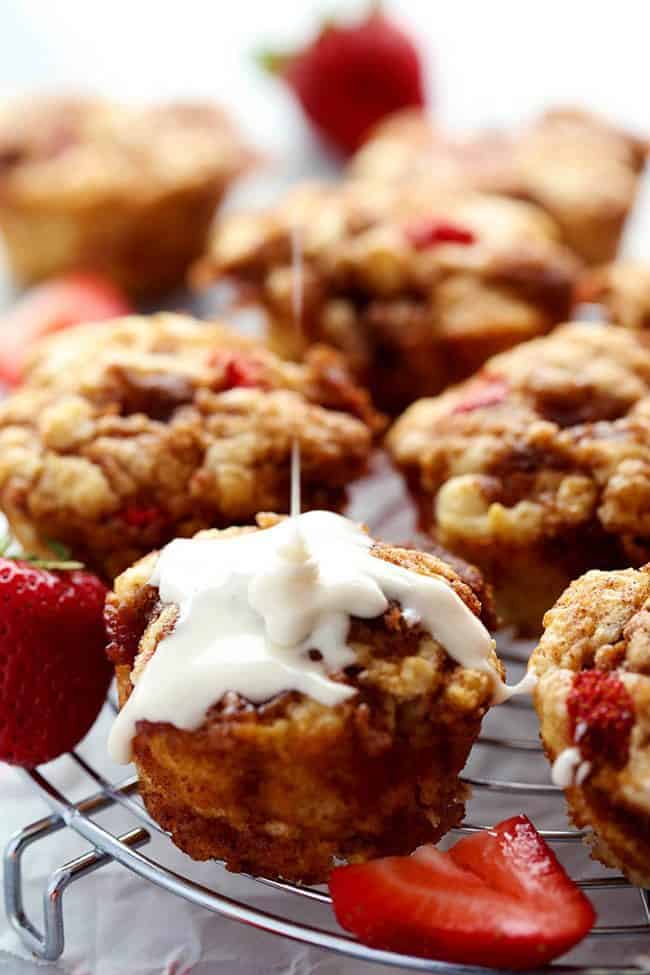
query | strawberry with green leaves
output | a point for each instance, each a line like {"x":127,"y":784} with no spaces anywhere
{"x":351,"y":76}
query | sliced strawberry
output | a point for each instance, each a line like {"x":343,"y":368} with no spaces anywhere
{"x":484,"y":391}
{"x":426,"y":233}
{"x":50,"y":307}
{"x":498,"y":898}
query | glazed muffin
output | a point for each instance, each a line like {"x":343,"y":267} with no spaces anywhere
{"x":593,"y":701}
{"x":538,"y":468}
{"x":129,"y":433}
{"x":87,"y":184}
{"x":314,"y":716}
{"x":582,"y":170}
{"x":623,"y":288}
{"x":416,"y":289}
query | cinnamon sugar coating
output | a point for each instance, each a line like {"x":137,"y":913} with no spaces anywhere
{"x":575,"y":165}
{"x":416,"y":286}
{"x":85,"y":183}
{"x":280,"y":788}
{"x":601,"y":626}
{"x":538,"y":468}
{"x":127,"y":434}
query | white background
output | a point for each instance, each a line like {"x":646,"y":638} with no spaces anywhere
{"x":494,"y":62}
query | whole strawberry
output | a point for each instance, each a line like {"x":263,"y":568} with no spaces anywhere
{"x":351,"y":76}
{"x":53,"y":670}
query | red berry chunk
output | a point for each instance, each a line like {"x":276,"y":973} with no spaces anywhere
{"x":238,"y":370}
{"x":486,"y":391}
{"x":601,"y":716}
{"x":140,"y":517}
{"x":427,"y":233}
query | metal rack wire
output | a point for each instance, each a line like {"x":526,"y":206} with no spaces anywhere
{"x":47,"y":942}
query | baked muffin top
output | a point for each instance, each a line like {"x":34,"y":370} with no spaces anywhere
{"x":547,"y":437}
{"x":86,"y":151}
{"x":392,"y":653}
{"x":128,"y":433}
{"x":593,"y":691}
{"x":383,"y":240}
{"x":572,"y":162}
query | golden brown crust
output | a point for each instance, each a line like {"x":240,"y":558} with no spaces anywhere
{"x":536,"y":469}
{"x":410,"y":316}
{"x":282,"y":788}
{"x":623,"y":288}
{"x":128,"y":433}
{"x":601,"y":623}
{"x":581,"y":169}
{"x":128,"y":191}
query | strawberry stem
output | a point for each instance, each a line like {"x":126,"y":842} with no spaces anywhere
{"x":273,"y":62}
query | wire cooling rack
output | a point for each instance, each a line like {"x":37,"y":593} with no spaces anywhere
{"x":106,"y":846}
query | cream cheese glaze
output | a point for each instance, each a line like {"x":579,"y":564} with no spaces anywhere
{"x":254,"y":608}
{"x":569,"y":768}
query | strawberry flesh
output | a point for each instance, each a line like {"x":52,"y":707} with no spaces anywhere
{"x":427,"y":233}
{"x":53,"y":670}
{"x":486,"y":391}
{"x":352,"y":76}
{"x":498,"y":898}
{"x":601,"y":716}
{"x":55,"y":305}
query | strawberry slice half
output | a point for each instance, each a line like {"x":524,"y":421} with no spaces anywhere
{"x":498,"y":898}
{"x":50,"y":307}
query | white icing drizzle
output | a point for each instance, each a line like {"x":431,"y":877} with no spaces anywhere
{"x":569,"y":768}
{"x":253,"y":606}
{"x":297,"y":277}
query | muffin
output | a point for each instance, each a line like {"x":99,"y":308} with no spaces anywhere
{"x":593,"y":701}
{"x":416,"y":288}
{"x":581,"y":169}
{"x":538,"y":468}
{"x":623,"y":289}
{"x":285,"y":699}
{"x":129,"y":433}
{"x":87,"y":184}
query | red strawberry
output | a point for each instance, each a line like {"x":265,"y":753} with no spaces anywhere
{"x":485,"y":391}
{"x":498,"y":898}
{"x":351,"y":76}
{"x":53,"y":670}
{"x":50,"y":307}
{"x":601,"y":716}
{"x":426,"y":233}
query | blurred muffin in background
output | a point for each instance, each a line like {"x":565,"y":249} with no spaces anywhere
{"x":581,"y":169}
{"x":416,"y":287}
{"x":623,"y":288}
{"x":128,"y":191}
